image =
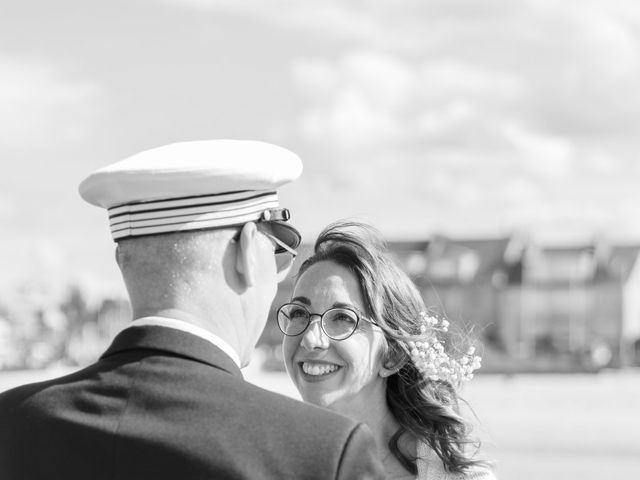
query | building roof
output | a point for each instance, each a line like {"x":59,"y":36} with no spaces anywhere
{"x":594,"y":262}
{"x":622,"y":261}
{"x":469,"y":260}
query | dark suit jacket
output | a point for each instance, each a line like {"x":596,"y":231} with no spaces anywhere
{"x":165,"y":404}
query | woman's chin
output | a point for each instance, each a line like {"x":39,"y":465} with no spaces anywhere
{"x":318,"y":397}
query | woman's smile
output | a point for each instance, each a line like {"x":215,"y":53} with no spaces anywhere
{"x":316,"y":371}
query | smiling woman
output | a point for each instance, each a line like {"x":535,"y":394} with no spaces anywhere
{"x":358,"y":341}
{"x":339,"y":370}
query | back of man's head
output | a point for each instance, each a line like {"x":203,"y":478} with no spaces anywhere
{"x":197,"y":224}
{"x":165,"y":269}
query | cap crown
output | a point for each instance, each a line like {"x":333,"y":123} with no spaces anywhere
{"x":194,"y":186}
{"x":189,"y":169}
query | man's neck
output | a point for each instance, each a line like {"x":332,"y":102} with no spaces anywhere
{"x":190,"y":328}
{"x":215,"y":324}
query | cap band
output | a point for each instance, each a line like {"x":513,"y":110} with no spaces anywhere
{"x":190,"y":213}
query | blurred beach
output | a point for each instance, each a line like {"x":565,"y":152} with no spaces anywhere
{"x":539,"y":426}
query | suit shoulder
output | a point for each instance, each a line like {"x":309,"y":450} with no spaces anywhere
{"x":340,"y":444}
{"x":35,"y":391}
{"x":294,"y":407}
{"x":16,"y":395}
{"x":296,"y":414}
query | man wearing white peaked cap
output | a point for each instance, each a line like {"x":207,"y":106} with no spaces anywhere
{"x":201,"y":243}
{"x":194,"y":186}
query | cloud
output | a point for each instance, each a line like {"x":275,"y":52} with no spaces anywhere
{"x":541,"y":153}
{"x":384,"y":78}
{"x":361,"y":97}
{"x":351,"y":121}
{"x":450,"y":77}
{"x":452,"y":114}
{"x":565,"y":67}
{"x":7,"y":208}
{"x":330,"y":18}
{"x":367,"y":98}
{"x":37,"y":102}
{"x":414,"y":113}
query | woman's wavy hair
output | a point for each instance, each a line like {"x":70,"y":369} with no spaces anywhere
{"x":426,"y":409}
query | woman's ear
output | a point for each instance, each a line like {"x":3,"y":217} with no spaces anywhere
{"x":391,"y":363}
{"x":388,"y":370}
{"x":246,"y":254}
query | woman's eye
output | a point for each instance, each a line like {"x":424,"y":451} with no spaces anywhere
{"x":298,"y":313}
{"x":344,"y":318}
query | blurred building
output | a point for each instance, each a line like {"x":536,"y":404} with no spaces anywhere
{"x":40,"y":326}
{"x":580,"y":302}
{"x":532,"y":307}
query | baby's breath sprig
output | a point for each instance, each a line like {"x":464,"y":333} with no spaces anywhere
{"x":431,"y":359}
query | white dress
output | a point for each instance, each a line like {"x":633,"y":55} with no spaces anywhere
{"x":430,"y":467}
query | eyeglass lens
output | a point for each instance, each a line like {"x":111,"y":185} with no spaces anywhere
{"x":337,"y":323}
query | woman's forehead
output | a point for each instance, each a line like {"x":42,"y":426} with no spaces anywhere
{"x":328,"y":279}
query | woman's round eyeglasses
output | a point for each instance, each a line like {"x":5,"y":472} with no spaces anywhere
{"x":337,"y":323}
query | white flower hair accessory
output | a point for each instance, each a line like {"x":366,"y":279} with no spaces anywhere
{"x":433,"y":362}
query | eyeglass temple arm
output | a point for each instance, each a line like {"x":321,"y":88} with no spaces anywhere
{"x":282,"y":244}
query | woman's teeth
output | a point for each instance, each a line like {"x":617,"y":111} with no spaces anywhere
{"x":318,"y":369}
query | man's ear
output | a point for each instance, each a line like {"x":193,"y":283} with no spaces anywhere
{"x":118,"y":255}
{"x":246,"y":254}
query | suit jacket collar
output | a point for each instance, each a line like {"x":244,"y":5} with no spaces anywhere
{"x":174,"y":342}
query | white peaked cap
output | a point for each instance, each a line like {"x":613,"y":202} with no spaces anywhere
{"x":194,"y":186}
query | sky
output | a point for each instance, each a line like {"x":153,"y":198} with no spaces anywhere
{"x":463,"y":118}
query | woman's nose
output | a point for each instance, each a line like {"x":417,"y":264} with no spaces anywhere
{"x":314,"y":337}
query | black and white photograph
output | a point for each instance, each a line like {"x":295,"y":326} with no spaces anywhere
{"x":274,"y":239}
